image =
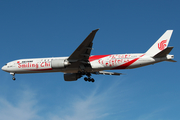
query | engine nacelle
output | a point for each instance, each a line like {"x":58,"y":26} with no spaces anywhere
{"x":71,"y":76}
{"x":59,"y":63}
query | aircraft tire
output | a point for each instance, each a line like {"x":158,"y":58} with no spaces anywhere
{"x":86,"y":79}
{"x":92,"y":80}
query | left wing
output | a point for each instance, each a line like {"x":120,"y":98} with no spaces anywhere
{"x":79,"y":58}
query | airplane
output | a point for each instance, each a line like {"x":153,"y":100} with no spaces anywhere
{"x":81,"y":63}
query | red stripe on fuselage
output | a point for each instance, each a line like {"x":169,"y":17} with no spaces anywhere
{"x":96,"y":57}
{"x":125,"y":65}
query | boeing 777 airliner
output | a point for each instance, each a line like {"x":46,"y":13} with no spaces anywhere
{"x":81,"y":63}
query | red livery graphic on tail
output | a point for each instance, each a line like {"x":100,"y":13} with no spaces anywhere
{"x":162,"y":45}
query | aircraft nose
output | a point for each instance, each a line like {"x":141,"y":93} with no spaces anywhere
{"x":4,"y":68}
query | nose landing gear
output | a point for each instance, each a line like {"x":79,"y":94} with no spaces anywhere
{"x":13,"y":74}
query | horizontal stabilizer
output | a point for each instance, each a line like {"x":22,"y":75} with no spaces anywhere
{"x":107,"y":73}
{"x":164,"y":52}
{"x":171,"y":60}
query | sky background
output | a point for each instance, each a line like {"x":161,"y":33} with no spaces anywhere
{"x":42,"y":28}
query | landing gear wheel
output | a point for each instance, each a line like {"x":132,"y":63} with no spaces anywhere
{"x":89,"y":79}
{"x":86,"y":79}
{"x":92,"y":80}
{"x":14,"y":78}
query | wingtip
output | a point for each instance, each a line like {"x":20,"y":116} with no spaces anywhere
{"x":96,"y":29}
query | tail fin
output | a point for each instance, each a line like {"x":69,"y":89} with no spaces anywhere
{"x":160,"y":44}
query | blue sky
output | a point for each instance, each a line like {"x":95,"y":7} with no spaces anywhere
{"x":32,"y":29}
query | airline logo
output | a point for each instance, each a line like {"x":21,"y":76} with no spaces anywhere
{"x":162,"y":44}
{"x":34,"y":65}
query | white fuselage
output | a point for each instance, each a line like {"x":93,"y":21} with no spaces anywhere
{"x":97,"y":62}
{"x":80,"y":62}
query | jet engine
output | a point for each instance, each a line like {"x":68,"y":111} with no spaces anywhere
{"x":59,"y":63}
{"x":72,"y":76}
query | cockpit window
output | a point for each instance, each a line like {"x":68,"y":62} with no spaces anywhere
{"x":5,"y":64}
{"x":26,"y":61}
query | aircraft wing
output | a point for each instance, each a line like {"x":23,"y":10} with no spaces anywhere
{"x":107,"y":73}
{"x":81,"y":55}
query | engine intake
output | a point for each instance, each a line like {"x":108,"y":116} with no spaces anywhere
{"x":71,"y":76}
{"x":59,"y":63}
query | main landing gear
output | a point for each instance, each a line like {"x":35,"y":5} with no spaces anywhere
{"x":13,"y":74}
{"x":88,"y":78}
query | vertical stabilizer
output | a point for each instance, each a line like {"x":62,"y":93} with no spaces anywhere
{"x":160,"y":44}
